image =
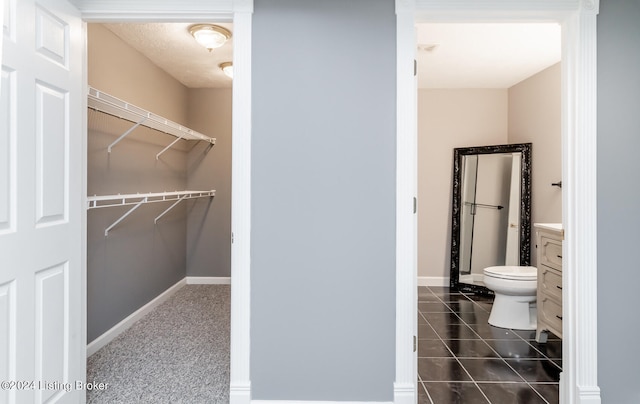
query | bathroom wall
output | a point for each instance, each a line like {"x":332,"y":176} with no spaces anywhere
{"x":323,"y":200}
{"x":209,"y":224}
{"x":618,"y":201}
{"x":448,"y":119}
{"x":528,"y":112}
{"x":535,"y":113}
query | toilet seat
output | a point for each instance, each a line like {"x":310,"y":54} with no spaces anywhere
{"x":516,"y":273}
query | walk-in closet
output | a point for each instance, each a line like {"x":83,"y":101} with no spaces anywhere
{"x":159,"y":212}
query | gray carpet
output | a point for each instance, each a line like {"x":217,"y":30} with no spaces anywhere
{"x":178,"y":353}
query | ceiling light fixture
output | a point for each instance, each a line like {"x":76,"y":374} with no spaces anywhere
{"x":210,"y":36}
{"x":227,"y":68}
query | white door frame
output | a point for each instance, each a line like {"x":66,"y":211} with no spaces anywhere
{"x":240,"y":12}
{"x":578,"y":20}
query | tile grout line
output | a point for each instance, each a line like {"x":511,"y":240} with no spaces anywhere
{"x":519,"y":337}
{"x":449,"y":349}
{"x":505,"y":361}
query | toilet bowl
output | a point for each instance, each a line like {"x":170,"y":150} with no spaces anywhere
{"x":514,"y":305}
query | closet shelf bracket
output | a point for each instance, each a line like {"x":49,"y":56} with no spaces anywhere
{"x":125,"y":134}
{"x":168,"y":147}
{"x":130,"y":211}
{"x":182,"y":198}
{"x":137,"y":200}
{"x":108,"y":104}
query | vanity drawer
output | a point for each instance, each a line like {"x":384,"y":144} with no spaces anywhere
{"x":550,"y":282}
{"x":550,"y":252}
{"x":551,"y":313}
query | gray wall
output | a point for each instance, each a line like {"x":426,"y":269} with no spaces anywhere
{"x":323,"y":200}
{"x":209,"y":225}
{"x":618,"y":200}
{"x":138,"y":260}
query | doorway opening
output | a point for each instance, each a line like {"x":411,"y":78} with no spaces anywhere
{"x":579,"y":177}
{"x":483,"y":84}
{"x":159,"y":223}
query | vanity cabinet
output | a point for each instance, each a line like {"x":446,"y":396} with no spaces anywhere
{"x":549,"y":294}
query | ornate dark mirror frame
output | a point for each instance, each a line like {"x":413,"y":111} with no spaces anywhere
{"x":525,"y":208}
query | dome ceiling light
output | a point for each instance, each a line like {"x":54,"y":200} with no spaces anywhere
{"x":227,"y":68}
{"x":210,"y":36}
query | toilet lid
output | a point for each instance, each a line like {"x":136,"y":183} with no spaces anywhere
{"x":513,"y":272}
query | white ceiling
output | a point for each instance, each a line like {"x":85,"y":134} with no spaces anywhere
{"x":464,"y":56}
{"x":484,"y":55}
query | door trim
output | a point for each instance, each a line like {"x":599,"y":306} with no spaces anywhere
{"x":578,"y":20}
{"x":240,"y":12}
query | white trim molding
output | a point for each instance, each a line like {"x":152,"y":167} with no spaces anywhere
{"x":578,"y":383}
{"x":95,"y":345}
{"x":208,"y":280}
{"x":404,"y":386}
{"x":240,"y":383}
{"x":316,"y":402}
{"x":240,"y":12}
{"x":155,"y":11}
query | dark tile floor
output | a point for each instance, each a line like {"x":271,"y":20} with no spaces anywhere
{"x":463,"y":359}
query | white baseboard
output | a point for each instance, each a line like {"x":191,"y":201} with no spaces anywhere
{"x":404,"y":393}
{"x":208,"y":280}
{"x":433,"y":281}
{"x":240,"y":393}
{"x":316,"y":402}
{"x":123,"y":325}
{"x":589,"y":395}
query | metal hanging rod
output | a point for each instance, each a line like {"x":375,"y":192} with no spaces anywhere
{"x":108,"y":104}
{"x":482,"y":205}
{"x":475,"y":206}
{"x":106,"y":201}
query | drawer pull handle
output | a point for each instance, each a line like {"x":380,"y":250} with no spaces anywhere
{"x":560,"y":317}
{"x":559,"y":287}
{"x":559,"y":256}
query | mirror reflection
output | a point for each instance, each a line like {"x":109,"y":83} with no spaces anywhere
{"x":490,"y":212}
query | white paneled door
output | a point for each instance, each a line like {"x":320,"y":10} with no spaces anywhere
{"x":42,"y":322}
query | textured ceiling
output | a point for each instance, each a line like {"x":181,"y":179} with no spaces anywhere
{"x":173,"y":49}
{"x":448,"y":55}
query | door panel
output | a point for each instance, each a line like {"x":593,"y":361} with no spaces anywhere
{"x":51,"y":149}
{"x":42,"y":324}
{"x":52,"y":321}
{"x":7,"y":152}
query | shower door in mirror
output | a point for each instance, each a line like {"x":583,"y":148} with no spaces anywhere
{"x":491,"y":211}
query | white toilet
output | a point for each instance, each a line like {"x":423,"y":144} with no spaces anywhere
{"x":514,"y":305}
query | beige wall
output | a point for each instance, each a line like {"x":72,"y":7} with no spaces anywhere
{"x":448,"y":119}
{"x":529,"y":112}
{"x":535,"y":116}
{"x":209,"y":226}
{"x":118,"y":69}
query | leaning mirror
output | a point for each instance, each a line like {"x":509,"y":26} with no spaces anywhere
{"x":491,"y":212}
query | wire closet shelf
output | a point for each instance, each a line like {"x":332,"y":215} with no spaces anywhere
{"x":137,"y":200}
{"x":108,"y":104}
